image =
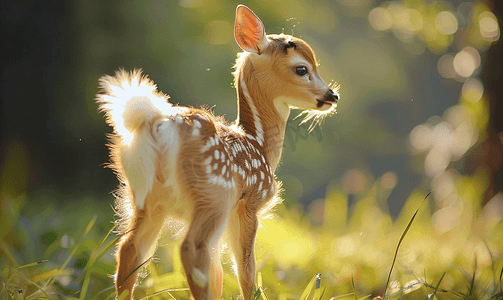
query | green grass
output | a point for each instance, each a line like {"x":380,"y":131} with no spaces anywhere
{"x":356,"y":252}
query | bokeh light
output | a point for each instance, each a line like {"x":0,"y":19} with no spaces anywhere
{"x":472,"y":90}
{"x":489,"y":28}
{"x":443,"y":186}
{"x":446,"y":22}
{"x":466,"y":61}
{"x":449,"y":217}
{"x":444,"y":139}
{"x":389,"y":180}
{"x":355,"y":182}
{"x":420,"y":138}
{"x":380,"y":19}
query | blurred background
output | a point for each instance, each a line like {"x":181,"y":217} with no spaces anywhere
{"x":414,"y":98}
{"x":418,"y":111}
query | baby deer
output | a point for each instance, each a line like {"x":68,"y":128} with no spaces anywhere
{"x":185,"y":163}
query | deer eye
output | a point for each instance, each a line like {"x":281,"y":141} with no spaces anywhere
{"x":301,"y":71}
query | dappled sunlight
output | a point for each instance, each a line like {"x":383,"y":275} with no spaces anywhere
{"x":362,"y":247}
{"x":408,"y":130}
{"x":286,"y":242}
{"x":446,"y":139}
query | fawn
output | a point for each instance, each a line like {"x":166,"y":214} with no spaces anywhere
{"x":188,"y":164}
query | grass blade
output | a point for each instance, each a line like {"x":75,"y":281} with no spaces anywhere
{"x":400,"y":242}
{"x":77,"y":246}
{"x":436,"y":288}
{"x":309,"y":287}
{"x":263,"y":294}
{"x":501,"y":275}
{"x":136,"y":269}
{"x":168,"y":291}
{"x":95,"y":252}
{"x":354,"y":289}
{"x":104,"y":291}
{"x":123,"y":295}
{"x":318,"y":293}
{"x":342,"y":296}
{"x":9,"y":254}
{"x":31,"y":264}
{"x":94,"y":257}
{"x":472,"y":283}
{"x":50,"y":274}
{"x":257,"y":294}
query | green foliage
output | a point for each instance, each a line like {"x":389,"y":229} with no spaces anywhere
{"x":448,"y":247}
{"x":350,"y":252}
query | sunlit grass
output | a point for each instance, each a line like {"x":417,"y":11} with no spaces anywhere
{"x":347,"y":256}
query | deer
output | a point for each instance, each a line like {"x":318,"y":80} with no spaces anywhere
{"x":216,"y":176}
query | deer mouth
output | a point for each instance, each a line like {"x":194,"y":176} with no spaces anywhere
{"x":329,"y":98}
{"x":320,"y":103}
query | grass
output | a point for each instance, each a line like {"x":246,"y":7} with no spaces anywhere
{"x":351,"y":254}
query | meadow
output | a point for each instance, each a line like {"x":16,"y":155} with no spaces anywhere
{"x":395,"y":196}
{"x":440,"y":254}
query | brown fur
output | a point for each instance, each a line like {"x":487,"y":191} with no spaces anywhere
{"x":202,"y":170}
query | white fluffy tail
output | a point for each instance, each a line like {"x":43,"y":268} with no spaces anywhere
{"x":129,"y":99}
{"x":131,"y":103}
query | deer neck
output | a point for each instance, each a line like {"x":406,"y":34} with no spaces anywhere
{"x":263,"y":123}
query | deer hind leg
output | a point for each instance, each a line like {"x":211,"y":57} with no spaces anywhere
{"x":216,"y":274}
{"x":242,"y":229}
{"x":196,"y":251}
{"x":138,"y":245}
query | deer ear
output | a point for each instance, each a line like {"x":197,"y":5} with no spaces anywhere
{"x":249,"y":31}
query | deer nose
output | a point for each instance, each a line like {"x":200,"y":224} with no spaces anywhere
{"x":331,"y":96}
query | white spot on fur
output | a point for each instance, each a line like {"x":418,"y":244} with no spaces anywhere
{"x":206,"y":147}
{"x":221,"y":181}
{"x":199,"y":278}
{"x":197,"y":124}
{"x":258,"y":125}
{"x":217,"y":154}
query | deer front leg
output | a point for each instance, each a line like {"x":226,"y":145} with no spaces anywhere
{"x":242,"y":229}
{"x":196,"y":252}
